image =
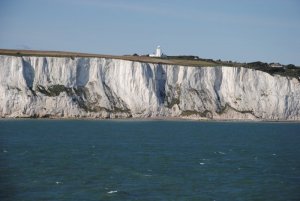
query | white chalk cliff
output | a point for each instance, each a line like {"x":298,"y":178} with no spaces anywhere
{"x":111,"y":88}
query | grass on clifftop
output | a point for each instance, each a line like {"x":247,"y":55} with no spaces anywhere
{"x":146,"y":59}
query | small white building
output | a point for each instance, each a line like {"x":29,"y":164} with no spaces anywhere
{"x":158,"y":53}
{"x":276,"y":65}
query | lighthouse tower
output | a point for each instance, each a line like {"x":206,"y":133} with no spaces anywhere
{"x":158,"y":52}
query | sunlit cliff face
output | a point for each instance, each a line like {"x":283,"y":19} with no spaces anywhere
{"x":111,"y":88}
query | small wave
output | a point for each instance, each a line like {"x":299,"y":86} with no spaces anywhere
{"x":111,"y":192}
{"x":147,"y":175}
{"x":202,"y":163}
{"x":219,"y":152}
{"x":58,"y":182}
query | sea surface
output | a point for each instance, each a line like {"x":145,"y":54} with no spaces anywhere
{"x":43,"y":160}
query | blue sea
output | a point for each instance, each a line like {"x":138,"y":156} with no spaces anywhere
{"x":93,"y":160}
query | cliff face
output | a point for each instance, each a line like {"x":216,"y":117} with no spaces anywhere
{"x":111,"y":88}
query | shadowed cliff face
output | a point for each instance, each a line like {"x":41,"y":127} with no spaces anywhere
{"x":112,"y":88}
{"x":28,"y":73}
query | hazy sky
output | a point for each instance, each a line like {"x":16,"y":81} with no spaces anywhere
{"x":237,"y":30}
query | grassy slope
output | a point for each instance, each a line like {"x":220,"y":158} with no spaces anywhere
{"x":146,"y":59}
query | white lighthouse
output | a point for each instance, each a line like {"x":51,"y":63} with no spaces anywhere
{"x":157,"y":53}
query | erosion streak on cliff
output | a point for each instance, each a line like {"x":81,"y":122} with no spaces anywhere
{"x":112,"y":88}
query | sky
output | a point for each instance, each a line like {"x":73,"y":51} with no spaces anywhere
{"x":236,"y":30}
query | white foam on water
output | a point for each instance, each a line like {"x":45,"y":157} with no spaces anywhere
{"x":5,"y":151}
{"x":147,"y":175}
{"x":111,"y":192}
{"x":220,"y":152}
{"x":58,"y":182}
{"x":202,"y":163}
